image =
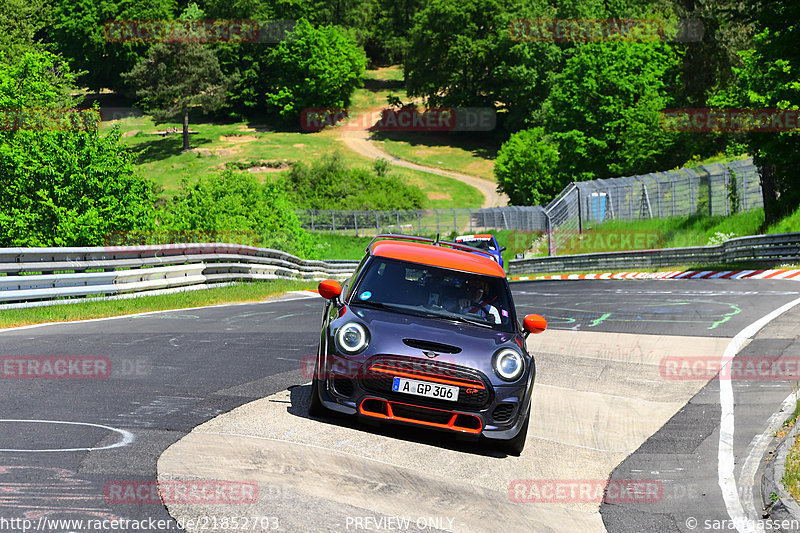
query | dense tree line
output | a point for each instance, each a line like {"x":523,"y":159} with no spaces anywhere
{"x":567,"y":110}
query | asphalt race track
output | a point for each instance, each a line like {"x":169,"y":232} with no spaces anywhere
{"x":220,"y":394}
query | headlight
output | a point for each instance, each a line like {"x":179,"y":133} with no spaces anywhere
{"x":508,"y":364}
{"x":352,"y":338}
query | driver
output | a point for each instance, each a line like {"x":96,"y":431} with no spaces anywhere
{"x":478,"y":301}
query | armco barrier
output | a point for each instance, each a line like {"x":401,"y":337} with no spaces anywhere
{"x":767,"y":249}
{"x":28,"y":274}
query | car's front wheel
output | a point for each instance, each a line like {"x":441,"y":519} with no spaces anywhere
{"x":515,"y":445}
{"x":315,"y":406}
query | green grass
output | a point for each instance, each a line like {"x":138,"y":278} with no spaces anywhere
{"x":217,"y":145}
{"x":614,"y":235}
{"x":378,"y":84}
{"x":449,"y":151}
{"x":238,"y":292}
{"x":331,"y":246}
{"x":791,"y":477}
{"x":618,"y":235}
{"x":721,"y":157}
{"x":442,"y":192}
{"x":789,"y":224}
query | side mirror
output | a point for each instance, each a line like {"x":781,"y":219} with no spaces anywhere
{"x":502,"y":248}
{"x":330,"y":289}
{"x":534,"y":324}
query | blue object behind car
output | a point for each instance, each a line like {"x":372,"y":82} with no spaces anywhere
{"x":485,"y":242}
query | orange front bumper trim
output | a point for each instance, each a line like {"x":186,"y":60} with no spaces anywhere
{"x":456,"y":422}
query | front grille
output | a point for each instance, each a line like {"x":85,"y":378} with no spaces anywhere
{"x":474,"y":390}
{"x":420,"y":413}
{"x":502,"y":412}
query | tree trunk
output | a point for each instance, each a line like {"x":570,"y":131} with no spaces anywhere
{"x":185,"y":130}
{"x":770,"y":195}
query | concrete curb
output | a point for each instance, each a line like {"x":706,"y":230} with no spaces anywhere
{"x":674,"y":274}
{"x":785,"y":507}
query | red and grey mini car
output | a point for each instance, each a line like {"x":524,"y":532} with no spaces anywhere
{"x":425,"y":333}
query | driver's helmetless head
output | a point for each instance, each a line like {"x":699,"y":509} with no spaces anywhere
{"x":478,"y":288}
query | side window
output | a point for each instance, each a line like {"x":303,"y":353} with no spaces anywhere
{"x":351,"y":282}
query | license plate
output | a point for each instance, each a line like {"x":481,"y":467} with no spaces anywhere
{"x":425,"y":388}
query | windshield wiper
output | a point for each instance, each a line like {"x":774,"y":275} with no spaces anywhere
{"x":472,"y":321}
{"x":448,"y":315}
{"x":376,"y":305}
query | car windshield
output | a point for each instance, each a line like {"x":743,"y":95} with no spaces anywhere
{"x":482,"y":244}
{"x":435,"y":292}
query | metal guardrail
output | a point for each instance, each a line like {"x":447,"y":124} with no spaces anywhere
{"x":28,"y":274}
{"x":779,"y":248}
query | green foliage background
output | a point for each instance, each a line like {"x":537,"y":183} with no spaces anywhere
{"x":566,"y":110}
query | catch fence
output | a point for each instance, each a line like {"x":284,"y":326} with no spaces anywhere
{"x":424,"y":222}
{"x":717,"y":189}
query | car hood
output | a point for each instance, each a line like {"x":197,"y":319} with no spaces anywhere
{"x":474,"y":344}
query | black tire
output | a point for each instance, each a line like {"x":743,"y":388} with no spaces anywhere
{"x":515,"y":445}
{"x":315,"y":406}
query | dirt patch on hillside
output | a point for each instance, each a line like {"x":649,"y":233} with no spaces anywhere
{"x":215,"y":151}
{"x":439,"y":196}
{"x":266,"y":169}
{"x":238,"y":138}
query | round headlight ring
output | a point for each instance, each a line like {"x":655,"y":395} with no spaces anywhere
{"x":352,"y":338}
{"x":508,"y":364}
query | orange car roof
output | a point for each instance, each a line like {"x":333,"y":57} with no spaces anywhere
{"x":438,"y":256}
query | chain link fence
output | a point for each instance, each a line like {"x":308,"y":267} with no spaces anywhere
{"x":718,"y":189}
{"x":424,"y":222}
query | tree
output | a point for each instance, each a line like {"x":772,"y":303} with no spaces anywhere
{"x":175,"y":78}
{"x":315,"y":67}
{"x":604,"y":110}
{"x":770,"y":78}
{"x":236,"y":201}
{"x":63,"y":183}
{"x":37,"y":79}
{"x":330,"y":184}
{"x":78,"y":32}
{"x":21,"y":22}
{"x":453,"y":52}
{"x":526,"y":168}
